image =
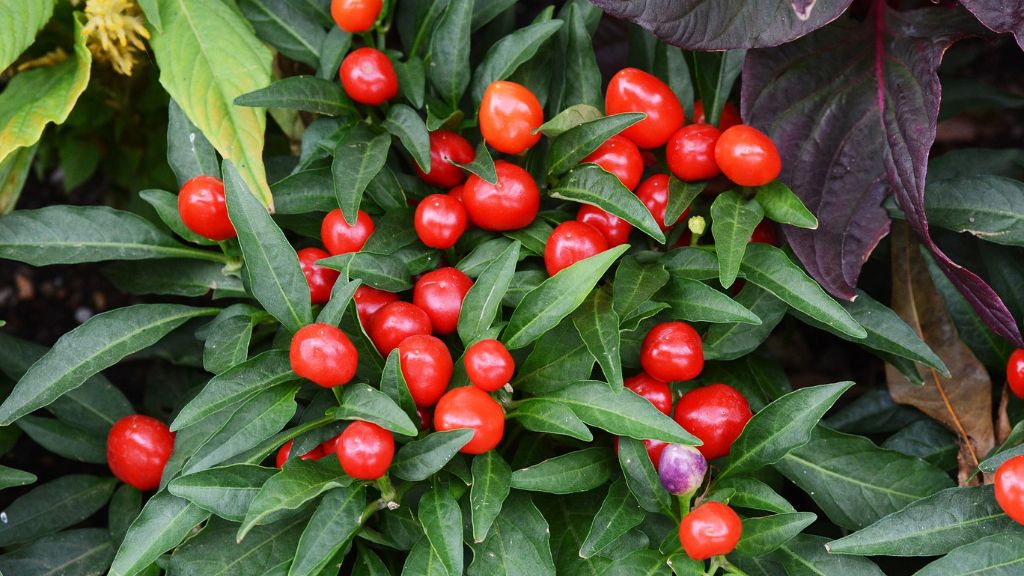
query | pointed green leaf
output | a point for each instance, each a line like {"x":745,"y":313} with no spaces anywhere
{"x":518,"y":542}
{"x":732,"y":222}
{"x":569,"y":118}
{"x":50,"y":507}
{"x":21,"y":20}
{"x":550,"y":417}
{"x":783,"y":206}
{"x":591,"y":184}
{"x":189,"y":153}
{"x":362,"y":402}
{"x":482,"y":164}
{"x":441,"y":518}
{"x":695,"y":301}
{"x":680,"y":196}
{"x":284,"y":26}
{"x":357,"y":159}
{"x":807,"y":554}
{"x":995,"y":555}
{"x":619,"y":513}
{"x":483,"y":301}
{"x":419,"y":459}
{"x":573,"y":472}
{"x":305,"y":93}
{"x":598,"y":325}
{"x":296,"y":484}
{"x":336,"y":521}
{"x":765,"y":534}
{"x":641,"y":477}
{"x":226,"y":491}
{"x":164,"y":522}
{"x":449,"y":52}
{"x":507,"y":54}
{"x":575,"y":144}
{"x":635,"y":283}
{"x":492,"y":478}
{"x":392,"y":383}
{"x":406,"y":125}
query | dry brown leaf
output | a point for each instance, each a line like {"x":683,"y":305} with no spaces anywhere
{"x":963,"y":402}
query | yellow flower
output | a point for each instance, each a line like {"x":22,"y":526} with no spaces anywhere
{"x":114,"y":31}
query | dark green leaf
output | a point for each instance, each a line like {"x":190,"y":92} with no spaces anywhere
{"x":423,"y":560}
{"x":927,"y":440}
{"x":332,"y":51}
{"x":380,"y":271}
{"x":387,"y":193}
{"x":753,"y":494}
{"x":582,"y":77}
{"x":83,"y":552}
{"x":808,"y":555}
{"x":241,"y":382}
{"x":341,"y":297}
{"x":771,"y":269}
{"x":276,"y":279}
{"x":79,"y":234}
{"x":412,"y":79}
{"x":551,"y":417}
{"x":989,"y":207}
{"x":482,"y":164}
{"x":635,"y":283}
{"x":369,"y":564}
{"x":995,"y":555}
{"x":405,"y":124}
{"x":65,"y":439}
{"x":227,"y":342}
{"x":507,"y":54}
{"x":517,"y":545}
{"x":419,"y":459}
{"x":125,"y":506}
{"x":598,"y":325}
{"x":449,"y":52}
{"x":641,"y":477}
{"x":930,"y":526}
{"x":97,"y":344}
{"x":226,"y":491}
{"x":164,"y":522}
{"x":166,"y":206}
{"x":483,"y":301}
{"x":189,"y":153}
{"x":337,"y":519}
{"x":680,"y":196}
{"x":285,"y":27}
{"x":557,"y":297}
{"x":638,"y":563}
{"x":780,"y":427}
{"x":10,"y":477}
{"x":492,"y":479}
{"x":558,"y":358}
{"x":573,"y":472}
{"x":50,"y":507}
{"x":441,"y":518}
{"x":215,"y":552}
{"x":570,"y":118}
{"x":296,"y":484}
{"x":695,"y":301}
{"x":305,"y":93}
{"x":715,"y":73}
{"x":693,"y":263}
{"x":392,"y":383}
{"x":731,"y":341}
{"x":306,"y":191}
{"x":732,"y":222}
{"x":783,"y":206}
{"x":765,"y":534}
{"x":618,"y":514}
{"x":534,"y":237}
{"x":620,"y":412}
{"x":577,"y":143}
{"x":173,"y":277}
{"x":362,"y":402}
{"x":357,"y":159}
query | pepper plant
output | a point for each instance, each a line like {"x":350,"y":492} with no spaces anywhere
{"x":510,"y":288}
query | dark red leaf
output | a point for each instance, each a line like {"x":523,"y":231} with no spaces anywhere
{"x":1000,"y":15}
{"x":727,"y":24}
{"x":854,"y":123}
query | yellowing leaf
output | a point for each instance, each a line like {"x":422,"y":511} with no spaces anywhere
{"x":19,"y":22}
{"x":208,"y":56}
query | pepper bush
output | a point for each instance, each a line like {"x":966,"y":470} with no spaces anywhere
{"x":480,"y":301}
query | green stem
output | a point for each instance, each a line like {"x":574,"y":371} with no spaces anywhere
{"x":731,"y":568}
{"x":716,"y":563}
{"x":684,"y":504}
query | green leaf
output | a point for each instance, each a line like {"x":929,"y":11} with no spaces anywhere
{"x":482,"y":165}
{"x":384,"y":272}
{"x":993,"y":210}
{"x":259,"y":373}
{"x":591,"y":184}
{"x":534,"y":237}
{"x":95,"y":345}
{"x":423,"y":560}
{"x":65,"y":439}
{"x":449,"y":52}
{"x":507,"y":54}
{"x":569,"y":118}
{"x":577,"y":143}
{"x":215,"y":552}
{"x":226,"y":491}
{"x":189,"y":153}
{"x":573,"y":472}
{"x":305,"y":191}
{"x":369,"y":564}
{"x":336,"y":521}
{"x":81,"y":552}
{"x":730,"y":341}
{"x":276,"y":280}
{"x":166,"y":206}
{"x":341,"y":297}
{"x":641,"y":477}
{"x":780,"y":427}
{"x":856,"y":483}
{"x":620,"y":412}
{"x":164,"y":522}
{"x":13,"y":174}
{"x":332,"y":51}
{"x":392,"y":383}
{"x":638,"y":563}
{"x":174,"y":277}
{"x":550,"y":417}
{"x":995,"y":555}
{"x":21,"y":20}
{"x":927,"y":440}
{"x":441,"y":518}
{"x":581,"y":82}
{"x":492,"y":479}
{"x":362,"y":402}
{"x":931,"y":526}
{"x":783,"y":206}
{"x":52,"y":506}
{"x":482,"y":302}
{"x":808,"y":554}
{"x":11,"y":477}
{"x":78,"y":234}
{"x":619,"y":513}
{"x":635,"y":283}
{"x":691,"y":262}
{"x":765,"y":534}
{"x":771,"y":269}
{"x":406,"y":125}
{"x":419,"y":459}
{"x":208,"y":56}
{"x":715,"y":73}
{"x":36,"y":97}
{"x":412,"y":80}
{"x":125,"y":506}
{"x":680,"y":196}
{"x":285,"y":27}
{"x":296,"y":484}
{"x":227,"y":343}
{"x":753,"y":494}
{"x":557,"y":297}
{"x":305,"y":93}
{"x":357,"y":159}
{"x":695,"y":301}
{"x":558,"y":358}
{"x":518,"y":543}
{"x":598,"y":325}
{"x":732,"y":222}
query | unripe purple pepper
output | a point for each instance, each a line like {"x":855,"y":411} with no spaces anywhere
{"x":681,"y":469}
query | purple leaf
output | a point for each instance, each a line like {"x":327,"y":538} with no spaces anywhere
{"x":999,"y":15}
{"x":726,"y":24}
{"x":854,"y":124}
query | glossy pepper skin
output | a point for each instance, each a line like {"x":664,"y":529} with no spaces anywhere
{"x":341,"y":238}
{"x":570,"y":242}
{"x":203,"y":209}
{"x":285,"y":451}
{"x":716,"y":414}
{"x":365,"y":450}
{"x":620,"y":156}
{"x":323,"y":354}
{"x":440,"y":220}
{"x":355,"y":16}
{"x":510,"y":204}
{"x":427,"y":367}
{"x":471,"y":407}
{"x":446,"y":147}
{"x":321,"y":280}
{"x":711,"y":529}
{"x":509,"y":116}
{"x":369,"y":300}
{"x":1015,"y":372}
{"x":395,"y":322}
{"x":138,"y":448}
{"x":368,"y":77}
{"x":1009,"y":488}
{"x":672,"y":352}
{"x":654,"y":390}
{"x":633,"y":90}
{"x":614,"y":229}
{"x":489,"y":365}
{"x":440,"y":293}
{"x":747,"y":156}
{"x":690,"y":152}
